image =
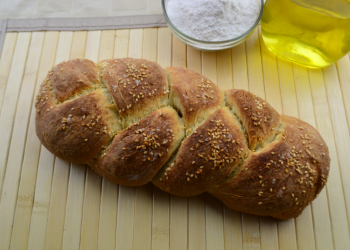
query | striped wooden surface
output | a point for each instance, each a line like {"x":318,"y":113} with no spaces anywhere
{"x":47,"y":203}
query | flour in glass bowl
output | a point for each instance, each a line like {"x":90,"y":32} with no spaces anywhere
{"x":213,"y":20}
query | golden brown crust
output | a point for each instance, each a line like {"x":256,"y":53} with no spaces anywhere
{"x":206,"y":157}
{"x":258,"y":117}
{"x":77,"y":130}
{"x":72,"y":77}
{"x":245,"y":154}
{"x":194,"y":95}
{"x":283,"y":178}
{"x":137,"y":153}
{"x":138,"y":86}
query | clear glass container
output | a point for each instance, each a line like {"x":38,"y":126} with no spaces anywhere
{"x":208,"y":45}
{"x":313,"y":33}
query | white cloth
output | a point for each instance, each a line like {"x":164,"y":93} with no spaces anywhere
{"x":20,"y":9}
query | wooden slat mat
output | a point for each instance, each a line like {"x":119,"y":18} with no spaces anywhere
{"x":47,"y":203}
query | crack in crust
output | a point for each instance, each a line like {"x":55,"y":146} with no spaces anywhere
{"x":72,"y":79}
{"x":134,"y":122}
{"x":215,"y":147}
{"x":194,"y":95}
{"x":259,"y":120}
{"x":137,"y":86}
{"x":138,"y":152}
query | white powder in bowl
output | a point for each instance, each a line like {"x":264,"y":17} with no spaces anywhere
{"x":213,"y":20}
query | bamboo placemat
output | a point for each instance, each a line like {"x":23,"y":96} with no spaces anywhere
{"x":47,"y":203}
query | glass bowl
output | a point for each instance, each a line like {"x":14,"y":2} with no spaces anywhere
{"x":208,"y":45}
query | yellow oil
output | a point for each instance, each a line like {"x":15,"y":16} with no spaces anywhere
{"x":314,"y":33}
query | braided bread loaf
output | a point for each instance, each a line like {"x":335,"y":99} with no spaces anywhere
{"x":134,"y":122}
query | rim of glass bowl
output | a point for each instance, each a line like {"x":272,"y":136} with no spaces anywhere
{"x":213,"y":42}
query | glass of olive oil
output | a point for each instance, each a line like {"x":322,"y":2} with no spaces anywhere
{"x":313,"y":33}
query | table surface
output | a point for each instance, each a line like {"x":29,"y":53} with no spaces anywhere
{"x":47,"y":203}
